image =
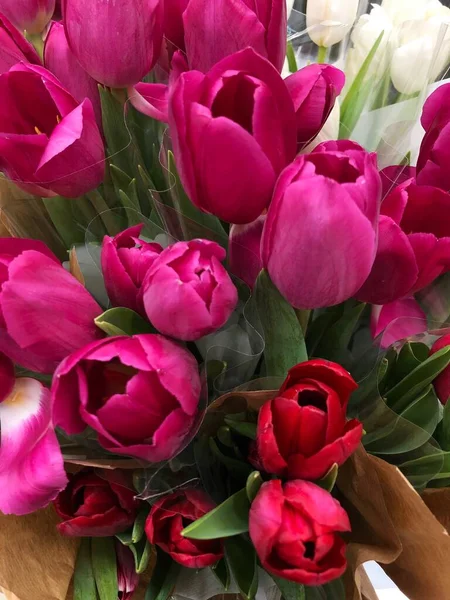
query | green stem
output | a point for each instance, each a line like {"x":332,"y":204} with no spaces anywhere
{"x":322,"y":55}
{"x":105,"y":213}
{"x":303,"y":317}
{"x":36,"y":40}
{"x":290,"y":55}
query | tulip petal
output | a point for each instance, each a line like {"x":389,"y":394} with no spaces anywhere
{"x":268,"y":451}
{"x":395,"y":270}
{"x":215,"y":29}
{"x":229,"y":187}
{"x":31,"y":464}
{"x":432,"y":256}
{"x":19,"y":158}
{"x":14,"y":47}
{"x":152,"y":99}
{"x":286,"y":417}
{"x":397,"y":320}
{"x":266,"y":514}
{"x":342,"y":261}
{"x":73,"y":161}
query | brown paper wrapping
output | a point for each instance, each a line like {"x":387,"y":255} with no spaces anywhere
{"x":391,"y":524}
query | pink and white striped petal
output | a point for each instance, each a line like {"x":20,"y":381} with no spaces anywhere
{"x":31,"y":464}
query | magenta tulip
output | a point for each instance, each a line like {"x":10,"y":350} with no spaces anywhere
{"x":31,"y":464}
{"x":45,"y":313}
{"x":58,"y":59}
{"x":174,"y":26}
{"x":314,"y":90}
{"x":322,"y":258}
{"x":49,"y":144}
{"x":414,"y":243}
{"x":233,"y":131}
{"x":244,"y":250}
{"x":126,"y":260}
{"x":214,"y":29}
{"x":116,"y":43}
{"x":14,"y":47}
{"x":150,"y":389}
{"x":31,"y":15}
{"x":434,"y":156}
{"x":398,"y":320}
{"x":187,"y":293}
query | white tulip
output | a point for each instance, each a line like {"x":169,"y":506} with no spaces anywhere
{"x":289,"y":6}
{"x":399,"y":11}
{"x":329,"y":21}
{"x":423,"y":51}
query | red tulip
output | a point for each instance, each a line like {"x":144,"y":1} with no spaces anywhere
{"x":304,"y":431}
{"x":167,"y":519}
{"x":294,"y":528}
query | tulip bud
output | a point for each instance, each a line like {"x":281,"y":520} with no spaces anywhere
{"x":329,"y":22}
{"x":14,"y":47}
{"x":31,"y":15}
{"x":116,"y":43}
{"x":187,"y":293}
{"x":58,"y":59}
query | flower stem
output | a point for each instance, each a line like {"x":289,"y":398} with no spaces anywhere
{"x":322,"y":55}
{"x":104,"y":212}
{"x":290,"y":55}
{"x":36,"y":40}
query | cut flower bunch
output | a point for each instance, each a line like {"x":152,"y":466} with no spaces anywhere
{"x":224,"y":338}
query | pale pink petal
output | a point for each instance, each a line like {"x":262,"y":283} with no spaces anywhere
{"x":31,"y":465}
{"x":398,"y":320}
{"x":151,"y":99}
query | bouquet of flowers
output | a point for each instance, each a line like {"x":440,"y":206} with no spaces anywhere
{"x":224,"y":339}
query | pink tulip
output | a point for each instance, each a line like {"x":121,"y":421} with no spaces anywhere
{"x":150,"y":393}
{"x":414,"y":243}
{"x":31,"y":465}
{"x":233,"y":131}
{"x":174,"y":26}
{"x":214,"y":29}
{"x":127,"y":578}
{"x":14,"y":47}
{"x":32,"y":15}
{"x":434,"y":156}
{"x":314,"y":90}
{"x":58,"y":59}
{"x":125,"y":262}
{"x":244,"y":250}
{"x":398,"y":320}
{"x":442,"y":381}
{"x":45,"y":313}
{"x":322,"y":258}
{"x":49,"y":145}
{"x":187,"y":293}
{"x":116,"y":43}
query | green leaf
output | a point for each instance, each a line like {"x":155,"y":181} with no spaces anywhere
{"x":357,"y":95}
{"x":122,"y":321}
{"x":444,"y":429}
{"x":245,"y":429}
{"x":142,"y":552}
{"x":290,"y":55}
{"x":410,"y":356}
{"x":84,"y":581}
{"x":254,"y":482}
{"x":222,"y":572}
{"x":285,"y":344}
{"x":330,"y":591}
{"x":425,"y":411}
{"x":241,"y":558}
{"x":104,"y":564}
{"x":139,"y":524}
{"x":228,"y":519}
{"x":422,"y":470}
{"x":125,"y":538}
{"x":289,"y":589}
{"x":327,"y":482}
{"x":164,"y":577}
{"x":400,"y":396}
{"x":239,"y":468}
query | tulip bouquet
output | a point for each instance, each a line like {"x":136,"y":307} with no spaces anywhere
{"x":224,"y":347}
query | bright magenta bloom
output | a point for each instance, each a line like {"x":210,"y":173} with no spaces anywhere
{"x":126,"y":260}
{"x":45,"y":313}
{"x":31,"y":465}
{"x":59,"y":59}
{"x":32,"y":15}
{"x":140,"y":395}
{"x":324,"y":257}
{"x":14,"y":47}
{"x":49,"y":144}
{"x":294,"y":528}
{"x":233,"y":131}
{"x":187,"y":293}
{"x":117,"y":43}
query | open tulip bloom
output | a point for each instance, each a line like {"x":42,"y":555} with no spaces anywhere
{"x":224,"y":299}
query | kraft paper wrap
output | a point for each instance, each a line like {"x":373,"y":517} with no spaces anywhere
{"x":391,"y":524}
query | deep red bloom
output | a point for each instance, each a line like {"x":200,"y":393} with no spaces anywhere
{"x":293,"y":528}
{"x":96,"y":506}
{"x":303,"y":431}
{"x":167,"y":519}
